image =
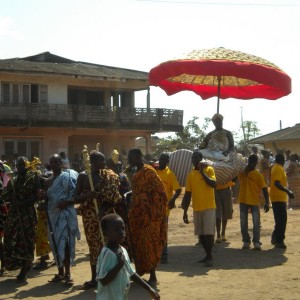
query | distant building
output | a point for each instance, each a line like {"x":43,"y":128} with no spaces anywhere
{"x":281,"y":140}
{"x":50,"y":104}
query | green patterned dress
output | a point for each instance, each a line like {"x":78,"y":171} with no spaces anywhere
{"x":20,"y":226}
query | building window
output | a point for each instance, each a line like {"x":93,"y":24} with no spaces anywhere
{"x":95,"y":98}
{"x":22,"y":147}
{"x":83,"y":96}
{"x":34,"y":93}
{"x":9,"y":148}
{"x":23,"y":93}
{"x":5,"y":93}
{"x":43,"y":93}
{"x":15,"y":93}
{"x":35,"y":148}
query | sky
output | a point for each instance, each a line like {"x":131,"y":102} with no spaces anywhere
{"x":140,"y":34}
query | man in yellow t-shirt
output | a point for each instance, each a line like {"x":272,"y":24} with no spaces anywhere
{"x":279,"y":194}
{"x":252,"y":183}
{"x":200,"y":185}
{"x":171,"y":184}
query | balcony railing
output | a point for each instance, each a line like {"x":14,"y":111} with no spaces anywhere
{"x":90,"y":116}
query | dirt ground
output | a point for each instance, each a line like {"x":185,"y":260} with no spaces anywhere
{"x":236,"y":274}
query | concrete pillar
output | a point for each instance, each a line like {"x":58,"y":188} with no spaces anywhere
{"x":148,"y":99}
{"x":107,"y":98}
{"x":148,"y":143}
{"x":132,"y":100}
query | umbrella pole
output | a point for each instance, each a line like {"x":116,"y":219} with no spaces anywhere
{"x":219,"y":90}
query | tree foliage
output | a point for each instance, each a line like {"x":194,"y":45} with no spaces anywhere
{"x":250,"y":131}
{"x":192,"y":135}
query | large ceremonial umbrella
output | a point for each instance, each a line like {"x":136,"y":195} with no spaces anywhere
{"x":223,"y":73}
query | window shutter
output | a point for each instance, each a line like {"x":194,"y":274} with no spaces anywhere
{"x":15,"y":93}
{"x":5,"y":93}
{"x":43,"y":93}
{"x":25,"y":93}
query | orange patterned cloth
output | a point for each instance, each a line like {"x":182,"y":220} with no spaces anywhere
{"x":147,"y":219}
{"x":107,"y":193}
{"x":91,"y":227}
{"x":42,"y":245}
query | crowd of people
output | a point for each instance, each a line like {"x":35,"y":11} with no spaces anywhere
{"x":39,"y":212}
{"x":125,"y":211}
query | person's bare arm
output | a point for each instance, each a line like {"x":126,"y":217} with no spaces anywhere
{"x":284,"y":189}
{"x":211,"y":182}
{"x":78,"y":196}
{"x":266,"y":196}
{"x":171,"y":203}
{"x":185,"y":205}
{"x":110,"y":276}
{"x":205,"y":141}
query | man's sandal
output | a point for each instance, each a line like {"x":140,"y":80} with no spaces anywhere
{"x":21,"y":278}
{"x":224,"y":238}
{"x":88,"y":285}
{"x":57,"y":278}
{"x":218,"y":240}
{"x":68,"y":280}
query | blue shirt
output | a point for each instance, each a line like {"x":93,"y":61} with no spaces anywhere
{"x":118,"y":288}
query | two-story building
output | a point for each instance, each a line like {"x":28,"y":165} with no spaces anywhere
{"x":50,"y":104}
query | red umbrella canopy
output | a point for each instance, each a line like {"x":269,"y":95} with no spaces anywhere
{"x":224,"y":73}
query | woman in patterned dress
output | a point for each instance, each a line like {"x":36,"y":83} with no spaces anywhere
{"x":3,"y":213}
{"x":20,"y":226}
{"x":147,"y":216}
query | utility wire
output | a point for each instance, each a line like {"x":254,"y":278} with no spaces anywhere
{"x":222,"y":3}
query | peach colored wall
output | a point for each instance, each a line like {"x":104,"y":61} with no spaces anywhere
{"x":71,"y":141}
{"x":55,"y":143}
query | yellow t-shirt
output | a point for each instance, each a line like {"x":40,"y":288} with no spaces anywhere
{"x":203,"y":195}
{"x":170,"y":182}
{"x":278,"y":174}
{"x":251,"y":185}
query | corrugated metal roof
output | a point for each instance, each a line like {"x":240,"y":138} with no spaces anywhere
{"x":289,"y":133}
{"x":48,"y":63}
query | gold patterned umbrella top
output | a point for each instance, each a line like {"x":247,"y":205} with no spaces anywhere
{"x":212,"y":80}
{"x":226,"y":54}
